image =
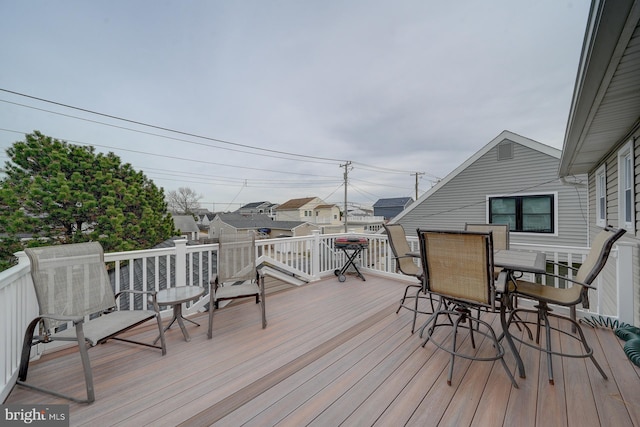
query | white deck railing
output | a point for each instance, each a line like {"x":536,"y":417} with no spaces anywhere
{"x":310,"y":257}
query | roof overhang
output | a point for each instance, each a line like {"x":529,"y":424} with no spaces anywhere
{"x":605,"y":108}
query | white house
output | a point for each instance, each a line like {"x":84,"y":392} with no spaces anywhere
{"x":310,"y":209}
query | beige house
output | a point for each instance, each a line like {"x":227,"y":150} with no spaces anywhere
{"x":310,"y":209}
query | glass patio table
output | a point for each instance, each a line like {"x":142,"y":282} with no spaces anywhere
{"x":175,"y":297}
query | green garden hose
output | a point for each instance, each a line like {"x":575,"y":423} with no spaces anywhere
{"x":631,"y":335}
{"x":603,"y":322}
{"x":624,"y":331}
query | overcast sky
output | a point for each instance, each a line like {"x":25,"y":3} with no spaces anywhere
{"x":271,"y":98}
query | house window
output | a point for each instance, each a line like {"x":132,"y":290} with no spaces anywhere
{"x":530,"y":213}
{"x":625,"y":186}
{"x":601,"y":196}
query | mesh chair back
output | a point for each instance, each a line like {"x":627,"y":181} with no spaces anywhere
{"x":70,"y":280}
{"x":236,"y":257}
{"x":598,"y":254}
{"x":400,"y":247}
{"x":500,"y":233}
{"x":458,"y":265}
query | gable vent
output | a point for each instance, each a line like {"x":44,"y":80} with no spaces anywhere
{"x":505,"y":150}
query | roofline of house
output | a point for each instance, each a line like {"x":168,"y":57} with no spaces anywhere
{"x":609,"y":28}
{"x":505,"y":134}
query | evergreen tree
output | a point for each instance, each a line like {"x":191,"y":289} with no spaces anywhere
{"x":68,"y":193}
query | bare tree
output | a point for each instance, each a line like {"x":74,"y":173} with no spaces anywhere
{"x":185,"y":201}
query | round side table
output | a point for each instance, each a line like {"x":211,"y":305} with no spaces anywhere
{"x":175,"y":297}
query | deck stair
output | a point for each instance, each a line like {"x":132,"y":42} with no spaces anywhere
{"x":283,"y":272}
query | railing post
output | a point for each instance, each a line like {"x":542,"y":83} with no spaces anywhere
{"x":315,"y":253}
{"x":22,"y":257}
{"x":181,"y":262}
{"x":625,"y":281}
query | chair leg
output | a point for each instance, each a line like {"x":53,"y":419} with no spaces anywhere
{"x":547,"y":328}
{"x":86,"y":364}
{"x":462,"y":316}
{"x":26,"y":349}
{"x":163,"y":343}
{"x":415,"y":310}
{"x":467,"y":316}
{"x":404,"y":297}
{"x":453,"y":345}
{"x":84,"y":357}
{"x":433,"y":318}
{"x":263,"y":303}
{"x":544,"y":312}
{"x":588,"y":349}
{"x":212,"y":308}
{"x":264,"y":315}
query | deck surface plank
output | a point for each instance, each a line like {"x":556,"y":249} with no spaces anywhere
{"x":333,"y":353}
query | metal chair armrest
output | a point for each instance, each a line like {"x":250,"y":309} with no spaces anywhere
{"x":568,"y":279}
{"x":152,"y":299}
{"x":62,"y":318}
{"x":133,"y":291}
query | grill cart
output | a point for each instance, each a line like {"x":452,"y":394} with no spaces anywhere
{"x":352,"y":247}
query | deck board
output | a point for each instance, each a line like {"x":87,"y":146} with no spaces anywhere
{"x":333,"y":353}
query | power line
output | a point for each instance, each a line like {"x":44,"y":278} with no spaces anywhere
{"x":174,"y":157}
{"x":85,"y":110}
{"x":221,"y":141}
{"x":151,"y":133}
{"x":307,"y":158}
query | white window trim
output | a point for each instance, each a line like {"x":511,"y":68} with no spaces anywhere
{"x":542,"y":193}
{"x":601,"y":217}
{"x":626,"y":150}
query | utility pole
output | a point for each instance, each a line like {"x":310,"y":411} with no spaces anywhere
{"x":417,"y":174}
{"x":346,"y":180}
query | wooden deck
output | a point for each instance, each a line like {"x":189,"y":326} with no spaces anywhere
{"x":333,"y":354}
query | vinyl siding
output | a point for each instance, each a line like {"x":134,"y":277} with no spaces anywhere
{"x":607,"y":281}
{"x":464,"y":198}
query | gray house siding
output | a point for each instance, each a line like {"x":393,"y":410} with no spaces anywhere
{"x":390,"y":208}
{"x":388,"y":212}
{"x":464,"y":197}
{"x":604,"y":116}
{"x":606,"y":282}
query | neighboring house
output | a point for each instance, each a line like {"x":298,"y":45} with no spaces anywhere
{"x":265,"y":226}
{"x":187,"y":226}
{"x":360,"y":211}
{"x":512,"y":179}
{"x":389,"y":208}
{"x":255,"y":208}
{"x":602,"y":141}
{"x":309,"y":209}
{"x":204,"y":219}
